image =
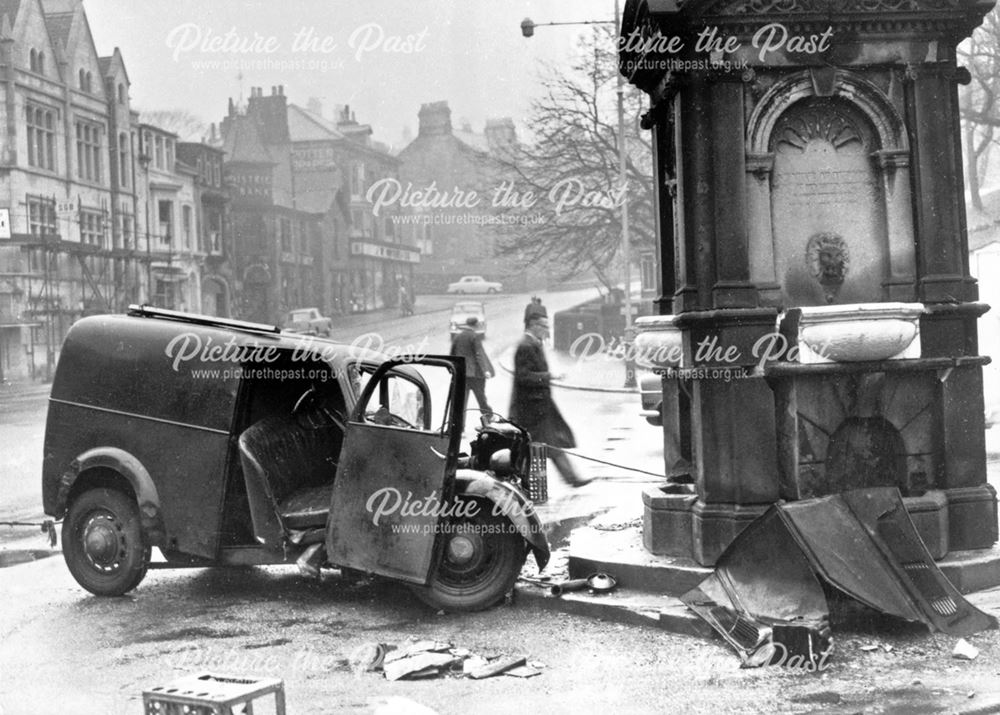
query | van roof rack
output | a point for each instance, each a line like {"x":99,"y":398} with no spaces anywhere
{"x":149,"y":311}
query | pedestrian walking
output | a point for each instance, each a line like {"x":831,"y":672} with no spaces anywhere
{"x":534,"y":308}
{"x":531,"y":404}
{"x":468,"y":344}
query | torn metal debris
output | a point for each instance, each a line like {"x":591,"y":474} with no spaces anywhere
{"x":430,"y":659}
{"x":765,"y":597}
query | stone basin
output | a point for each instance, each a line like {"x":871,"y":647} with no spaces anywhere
{"x":856,"y":332}
{"x":658,"y":342}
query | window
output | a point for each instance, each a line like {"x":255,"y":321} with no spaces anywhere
{"x":86,"y":81}
{"x":357,"y":179}
{"x":126,"y":218}
{"x":216,"y":172}
{"x":123,"y":164}
{"x":164,"y":295}
{"x":158,"y":152}
{"x":169,"y":144}
{"x":41,"y":216}
{"x":121,"y":93}
{"x":41,"y":123}
{"x":36,"y":61}
{"x":214,"y":232}
{"x":186,"y":221}
{"x":166,"y":216}
{"x":88,"y":151}
{"x":92,"y":228}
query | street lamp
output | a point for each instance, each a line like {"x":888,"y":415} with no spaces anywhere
{"x":528,"y":30}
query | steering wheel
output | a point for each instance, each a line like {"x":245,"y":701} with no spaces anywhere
{"x":306,"y":399}
{"x":310,"y":400}
{"x":382,"y":416}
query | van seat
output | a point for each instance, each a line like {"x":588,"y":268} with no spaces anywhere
{"x":289,"y":470}
{"x":306,"y":508}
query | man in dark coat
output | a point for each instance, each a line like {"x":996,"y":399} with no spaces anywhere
{"x":534,"y":308}
{"x":531,"y":404}
{"x":468,"y":344}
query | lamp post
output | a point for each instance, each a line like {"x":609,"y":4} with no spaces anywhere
{"x":528,"y":30}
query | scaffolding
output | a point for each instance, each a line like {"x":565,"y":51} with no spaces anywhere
{"x":65,"y":280}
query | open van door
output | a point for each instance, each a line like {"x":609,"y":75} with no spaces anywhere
{"x":395,"y":478}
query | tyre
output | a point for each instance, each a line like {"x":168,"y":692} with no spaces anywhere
{"x":480,"y":561}
{"x":492,"y":290}
{"x":103,"y":543}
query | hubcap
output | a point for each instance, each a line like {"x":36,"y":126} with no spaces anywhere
{"x":461,"y":550}
{"x":102,"y":541}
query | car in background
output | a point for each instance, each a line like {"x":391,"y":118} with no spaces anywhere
{"x":461,"y":312}
{"x":651,"y":395}
{"x":307,"y":321}
{"x":474,"y":284}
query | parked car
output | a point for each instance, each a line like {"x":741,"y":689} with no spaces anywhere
{"x":474,"y":284}
{"x":651,"y":395}
{"x":292,"y":448}
{"x":461,"y":312}
{"x":308,"y":321}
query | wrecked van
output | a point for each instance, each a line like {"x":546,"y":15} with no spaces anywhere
{"x":222,"y":443}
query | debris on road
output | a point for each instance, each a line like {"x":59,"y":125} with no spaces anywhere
{"x":500,"y":665}
{"x":964,"y":650}
{"x":765,"y":597}
{"x":596,"y":582}
{"x":414,"y":660}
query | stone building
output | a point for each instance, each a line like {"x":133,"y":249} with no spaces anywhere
{"x":214,"y":247}
{"x":367,"y":258}
{"x":68,"y":200}
{"x":167,"y":193}
{"x":275,"y":243}
{"x":454,"y":162}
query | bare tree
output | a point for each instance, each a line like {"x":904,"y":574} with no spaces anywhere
{"x":570,"y":166}
{"x":979,"y":101}
{"x":187,"y":126}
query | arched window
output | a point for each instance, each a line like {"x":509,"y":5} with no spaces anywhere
{"x":33,"y":60}
{"x":41,"y":63}
{"x":83,"y":80}
{"x":89,"y":82}
{"x":121,"y":93}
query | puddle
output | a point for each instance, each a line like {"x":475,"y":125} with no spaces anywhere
{"x":16,"y":557}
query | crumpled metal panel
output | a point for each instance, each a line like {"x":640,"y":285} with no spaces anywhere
{"x":766,"y":600}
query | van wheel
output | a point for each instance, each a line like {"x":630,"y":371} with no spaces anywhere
{"x":481,"y":559}
{"x":103,"y":542}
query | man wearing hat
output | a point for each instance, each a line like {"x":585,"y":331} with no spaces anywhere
{"x":531,"y":404}
{"x":468,"y":344}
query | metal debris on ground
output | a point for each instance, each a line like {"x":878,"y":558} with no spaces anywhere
{"x":964,"y":650}
{"x":765,"y":596}
{"x":597,"y":583}
{"x":414,"y":660}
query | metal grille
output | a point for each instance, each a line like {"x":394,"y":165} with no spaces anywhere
{"x":538,"y":478}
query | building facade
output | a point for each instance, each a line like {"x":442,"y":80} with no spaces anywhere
{"x":368,"y":261}
{"x":68,"y":196}
{"x":274,"y":243}
{"x":453,"y":162}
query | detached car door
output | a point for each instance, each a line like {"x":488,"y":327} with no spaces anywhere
{"x":396,"y":472}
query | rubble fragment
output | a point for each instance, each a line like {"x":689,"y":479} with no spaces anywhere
{"x":964,"y":650}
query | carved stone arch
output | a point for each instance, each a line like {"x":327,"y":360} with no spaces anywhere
{"x":858,"y":91}
{"x":888,"y":151}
